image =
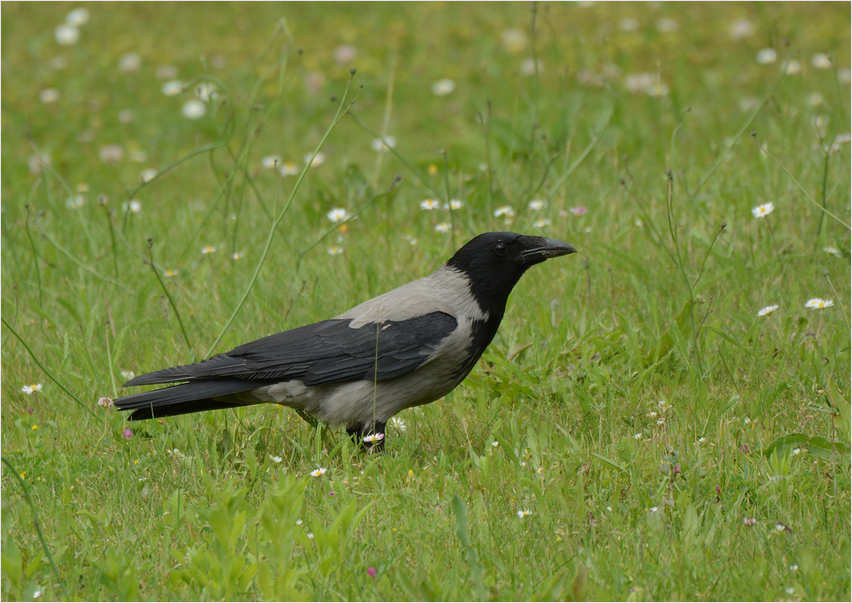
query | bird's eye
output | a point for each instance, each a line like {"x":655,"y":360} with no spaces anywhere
{"x":500,"y":249}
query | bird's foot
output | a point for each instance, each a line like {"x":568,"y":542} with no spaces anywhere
{"x":370,"y":436}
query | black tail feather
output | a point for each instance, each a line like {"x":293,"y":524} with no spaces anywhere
{"x":186,"y":398}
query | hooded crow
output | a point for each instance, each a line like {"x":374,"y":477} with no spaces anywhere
{"x":408,"y":347}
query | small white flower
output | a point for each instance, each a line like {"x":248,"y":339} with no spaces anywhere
{"x":105,"y":402}
{"x":843,"y":138}
{"x":75,"y":202}
{"x":49,"y":95}
{"x":206,"y":91}
{"x":310,"y":535}
{"x":661,"y":421}
{"x":148,"y":175}
{"x":821,"y":61}
{"x":523,"y":513}
{"x":318,"y":160}
{"x":36,"y":593}
{"x":652,"y":414}
{"x":111,"y":153}
{"x":831,"y":250}
{"x":794,"y":67}
{"x":29,"y":389}
{"x":506,"y":210}
{"x":127,"y":375}
{"x":761,"y":211}
{"x":67,"y":34}
{"x":789,"y":590}
{"x":398,"y":423}
{"x":270,"y":161}
{"x":661,"y":404}
{"x":77,"y":17}
{"x":380,"y":145}
{"x":276,"y":459}
{"x":741,"y":28}
{"x":819,"y":304}
{"x":815,"y":99}
{"x":318,"y":472}
{"x":133,"y":206}
{"x":638,"y":436}
{"x":514,"y":40}
{"x":793,"y":567}
{"x":766,"y":56}
{"x":208,"y":249}
{"x":797,"y":451}
{"x":289,"y":169}
{"x":746,"y":421}
{"x":237,"y":255}
{"x":430,"y":204}
{"x":338,"y":214}
{"x":172,"y":88}
{"x":454,"y":204}
{"x":529,"y":67}
{"x":194,"y":109}
{"x":653,"y":509}
{"x":374,"y":437}
{"x":129,"y":63}
{"x":542,"y":223}
{"x":701,"y":440}
{"x":523,"y":464}
{"x":170,"y":273}
{"x":443,"y":87}
{"x":298,"y":522}
{"x":443,"y":227}
{"x":336,"y":250}
{"x":537,"y":204}
{"x":767,"y":310}
{"x":495,"y":443}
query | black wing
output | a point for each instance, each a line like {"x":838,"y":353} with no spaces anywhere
{"x":326,"y":352}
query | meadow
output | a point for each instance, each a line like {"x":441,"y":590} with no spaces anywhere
{"x":663,"y":416}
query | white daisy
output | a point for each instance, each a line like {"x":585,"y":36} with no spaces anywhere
{"x":338,"y":214}
{"x":318,"y":472}
{"x":767,"y":310}
{"x":761,"y":211}
{"x":194,"y":109}
{"x":819,"y":304}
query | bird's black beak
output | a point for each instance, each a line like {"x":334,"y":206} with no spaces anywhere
{"x":539,"y":249}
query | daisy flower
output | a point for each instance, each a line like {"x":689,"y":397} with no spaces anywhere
{"x":766,"y":56}
{"x":381,"y":145}
{"x":443,"y":87}
{"x":819,"y":304}
{"x":148,"y":175}
{"x":374,"y":437}
{"x":523,"y":513}
{"x":336,"y":250}
{"x":430,"y":204}
{"x":541,"y":223}
{"x":318,"y":472}
{"x":207,"y":250}
{"x":338,"y":214}
{"x":443,"y":227}
{"x":29,"y":389}
{"x":506,"y":210}
{"x":134,"y":207}
{"x":170,"y":273}
{"x":289,"y":169}
{"x":761,"y":211}
{"x":172,"y":88}
{"x":270,"y":161}
{"x":398,"y":423}
{"x":821,"y":61}
{"x":237,"y":255}
{"x":67,"y":34}
{"x":194,"y":109}
{"x":454,"y":204}
{"x":767,"y":310}
{"x":537,"y":204}
{"x":77,"y":17}
{"x":318,"y":160}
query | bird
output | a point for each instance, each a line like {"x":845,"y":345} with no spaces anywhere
{"x":405,"y":348}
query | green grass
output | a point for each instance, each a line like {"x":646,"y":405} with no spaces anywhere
{"x":633,"y":401}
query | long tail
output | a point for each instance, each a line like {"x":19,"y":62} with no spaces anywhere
{"x":184,"y":398}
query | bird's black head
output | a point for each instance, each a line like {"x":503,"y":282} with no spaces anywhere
{"x":495,"y":261}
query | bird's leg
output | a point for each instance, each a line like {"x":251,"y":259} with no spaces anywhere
{"x":367,"y":436}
